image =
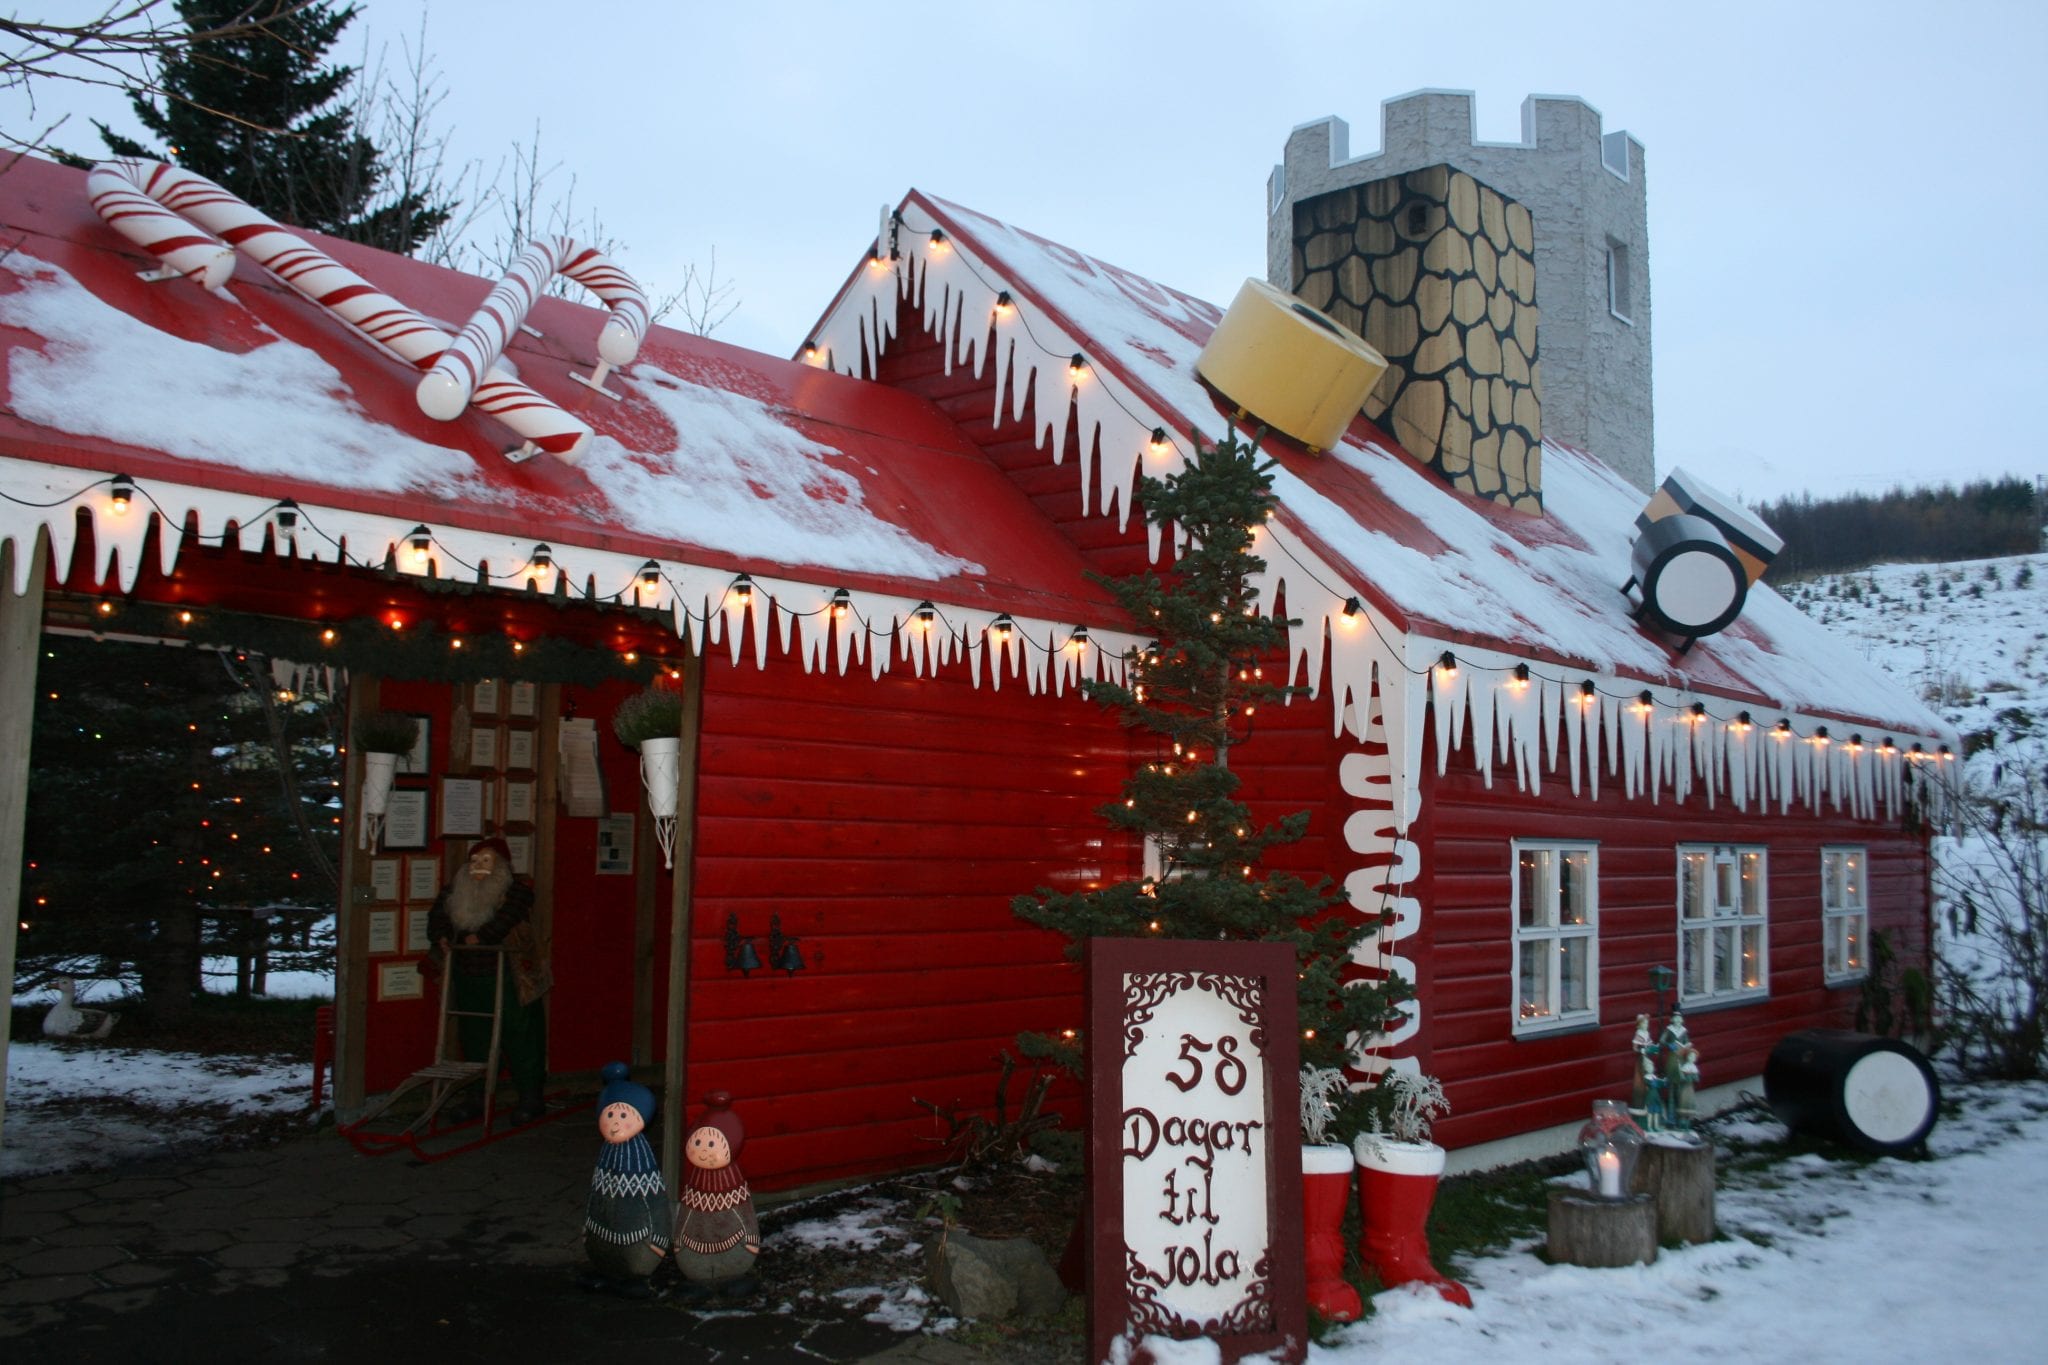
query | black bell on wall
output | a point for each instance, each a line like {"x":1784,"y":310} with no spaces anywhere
{"x":740,"y":955}
{"x":783,"y":953}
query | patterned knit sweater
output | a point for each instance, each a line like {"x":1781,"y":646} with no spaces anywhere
{"x":628,"y":1201}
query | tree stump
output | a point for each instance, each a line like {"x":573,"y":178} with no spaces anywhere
{"x":1590,"y":1231}
{"x":1680,"y":1180}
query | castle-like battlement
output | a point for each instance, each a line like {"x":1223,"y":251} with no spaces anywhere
{"x":1587,"y":191}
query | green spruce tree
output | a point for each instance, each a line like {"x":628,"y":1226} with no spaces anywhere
{"x":160,"y":816}
{"x":266,"y":116}
{"x":1196,"y":689}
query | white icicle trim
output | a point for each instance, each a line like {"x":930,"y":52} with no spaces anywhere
{"x":1541,"y":729}
{"x":698,"y":597}
{"x":955,"y":292}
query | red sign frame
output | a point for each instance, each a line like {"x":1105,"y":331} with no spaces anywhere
{"x":1128,"y":979}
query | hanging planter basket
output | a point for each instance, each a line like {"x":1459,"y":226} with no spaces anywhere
{"x":378,"y":772}
{"x":658,"y":764}
{"x":652,"y":722}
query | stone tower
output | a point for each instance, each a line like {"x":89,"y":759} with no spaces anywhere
{"x":1585,"y":192}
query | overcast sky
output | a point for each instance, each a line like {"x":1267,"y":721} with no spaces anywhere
{"x":1846,"y":199}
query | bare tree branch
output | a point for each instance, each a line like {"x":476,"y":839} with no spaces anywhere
{"x":118,"y":50}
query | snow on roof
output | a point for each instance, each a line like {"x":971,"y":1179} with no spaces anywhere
{"x":712,"y":460}
{"x":1385,"y":564}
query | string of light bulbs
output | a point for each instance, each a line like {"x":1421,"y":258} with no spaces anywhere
{"x":1518,"y":675}
{"x":424,"y":546}
{"x":288,"y":519}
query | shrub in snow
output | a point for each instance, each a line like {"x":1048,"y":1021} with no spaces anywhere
{"x":1991,"y":914}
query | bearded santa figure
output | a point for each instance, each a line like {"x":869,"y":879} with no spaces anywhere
{"x":486,"y":907}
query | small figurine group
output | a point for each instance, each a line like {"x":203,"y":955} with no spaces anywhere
{"x":629,"y":1231}
{"x":1666,"y":1077}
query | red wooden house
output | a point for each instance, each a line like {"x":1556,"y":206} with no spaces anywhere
{"x":871,"y":589}
{"x":1550,"y":797}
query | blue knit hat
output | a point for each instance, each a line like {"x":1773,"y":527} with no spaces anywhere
{"x":620,"y":1088}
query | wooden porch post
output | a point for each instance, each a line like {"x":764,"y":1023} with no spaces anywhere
{"x":674,"y":1069}
{"x":21,"y":634}
{"x":351,"y":923}
{"x":644,"y":924}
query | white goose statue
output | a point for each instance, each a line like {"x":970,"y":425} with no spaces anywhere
{"x":67,"y":1020}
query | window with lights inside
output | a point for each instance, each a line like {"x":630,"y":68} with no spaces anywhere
{"x":1556,"y":914}
{"x":1845,"y":912}
{"x":1723,"y":923}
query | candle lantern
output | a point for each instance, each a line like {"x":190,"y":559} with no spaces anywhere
{"x":1609,"y":1144}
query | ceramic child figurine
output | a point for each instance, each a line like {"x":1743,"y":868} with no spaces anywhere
{"x":625,"y":1224}
{"x":717,"y":1236}
{"x":1643,"y":1047}
{"x":1684,"y":1083}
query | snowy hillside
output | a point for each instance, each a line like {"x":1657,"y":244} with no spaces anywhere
{"x":1971,"y":637}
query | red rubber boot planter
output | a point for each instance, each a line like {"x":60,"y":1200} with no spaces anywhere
{"x":1325,"y":1184}
{"x":1395,"y":1189}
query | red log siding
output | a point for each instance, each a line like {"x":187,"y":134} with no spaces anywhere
{"x":889,"y":823}
{"x":1288,"y":763}
{"x":1500,"y":1086}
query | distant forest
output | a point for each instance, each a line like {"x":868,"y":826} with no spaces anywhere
{"x":1977,"y":521}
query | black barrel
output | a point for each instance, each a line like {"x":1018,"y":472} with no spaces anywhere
{"x":1876,"y":1094}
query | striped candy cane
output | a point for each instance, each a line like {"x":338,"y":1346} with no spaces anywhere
{"x":156,"y":206}
{"x":463,"y":372}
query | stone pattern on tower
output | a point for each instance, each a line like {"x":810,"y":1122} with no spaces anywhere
{"x":1434,"y":270}
{"x":1587,"y":194}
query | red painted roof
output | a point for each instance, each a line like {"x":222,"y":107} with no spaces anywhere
{"x":1435,"y":562}
{"x":915,"y":482}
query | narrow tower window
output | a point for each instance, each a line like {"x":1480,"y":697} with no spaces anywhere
{"x":1618,"y":282}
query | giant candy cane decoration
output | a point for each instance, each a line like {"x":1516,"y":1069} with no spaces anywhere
{"x":157,"y":207}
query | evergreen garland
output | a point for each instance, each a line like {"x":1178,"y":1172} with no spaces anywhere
{"x":422,"y":652}
{"x":1197,"y":686}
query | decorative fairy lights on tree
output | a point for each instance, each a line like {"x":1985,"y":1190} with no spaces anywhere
{"x":1196,"y":687}
{"x":177,"y":804}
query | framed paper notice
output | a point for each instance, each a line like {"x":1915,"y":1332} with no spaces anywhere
{"x":462,"y":805}
{"x":416,"y":940}
{"x":518,"y":801}
{"x":483,"y":748}
{"x":405,"y":819}
{"x":614,"y":845}
{"x":483,"y":698}
{"x":383,"y":931}
{"x":519,"y":749}
{"x":522,"y":853}
{"x":422,"y":878}
{"x":399,"y":981}
{"x":416,"y":760}
{"x":384,"y":879}
{"x":522,"y":700}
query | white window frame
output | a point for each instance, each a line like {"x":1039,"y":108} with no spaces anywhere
{"x":1620,"y":282}
{"x":1724,"y":923}
{"x":1845,"y":913}
{"x":1549,"y":926}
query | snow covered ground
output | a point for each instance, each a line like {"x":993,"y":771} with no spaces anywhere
{"x":1823,"y":1260}
{"x":78,"y":1105}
